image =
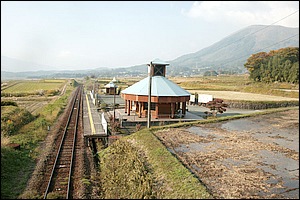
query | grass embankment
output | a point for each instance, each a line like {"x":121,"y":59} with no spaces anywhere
{"x":17,"y":165}
{"x":139,"y":166}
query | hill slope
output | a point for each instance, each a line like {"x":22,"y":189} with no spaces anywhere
{"x":233,"y":51}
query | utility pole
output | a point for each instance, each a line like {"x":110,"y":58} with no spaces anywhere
{"x":114,"y":102}
{"x":149,"y":96}
{"x":94,"y":93}
{"x":94,"y":89}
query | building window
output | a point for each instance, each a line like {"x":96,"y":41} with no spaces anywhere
{"x":159,"y":70}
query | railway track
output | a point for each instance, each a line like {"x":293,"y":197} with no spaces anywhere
{"x":59,"y":178}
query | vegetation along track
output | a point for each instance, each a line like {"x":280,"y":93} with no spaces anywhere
{"x":59,"y":176}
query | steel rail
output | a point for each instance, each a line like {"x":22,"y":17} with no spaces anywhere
{"x":76,"y":98}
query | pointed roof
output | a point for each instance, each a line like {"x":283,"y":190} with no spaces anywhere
{"x":157,"y":61}
{"x":111,"y":85}
{"x":160,"y":86}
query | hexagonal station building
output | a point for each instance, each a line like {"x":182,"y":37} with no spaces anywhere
{"x":167,"y":98}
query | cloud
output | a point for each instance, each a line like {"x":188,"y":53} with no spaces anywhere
{"x":247,"y":12}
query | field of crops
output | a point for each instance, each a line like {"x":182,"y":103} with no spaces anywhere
{"x":239,"y":87}
{"x":34,"y":86}
{"x":232,"y":83}
{"x":33,"y":94}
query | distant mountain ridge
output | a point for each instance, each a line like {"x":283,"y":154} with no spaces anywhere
{"x":235,"y":49}
{"x":229,"y":53}
{"x":13,"y":65}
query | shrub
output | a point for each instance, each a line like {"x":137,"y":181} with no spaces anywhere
{"x":12,"y":121}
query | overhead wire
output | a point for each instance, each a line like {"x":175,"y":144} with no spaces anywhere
{"x":262,"y":49}
{"x":257,"y":32}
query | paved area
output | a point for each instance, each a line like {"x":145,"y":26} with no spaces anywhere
{"x":109,"y":99}
{"x":121,"y":115}
{"x":194,"y":112}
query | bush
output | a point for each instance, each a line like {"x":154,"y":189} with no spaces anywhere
{"x":52,"y":92}
{"x":12,"y":121}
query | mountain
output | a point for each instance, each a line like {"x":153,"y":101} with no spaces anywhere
{"x":16,"y":65}
{"x":234,"y":50}
{"x":228,"y":54}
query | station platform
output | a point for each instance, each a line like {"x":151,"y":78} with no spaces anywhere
{"x":92,"y":120}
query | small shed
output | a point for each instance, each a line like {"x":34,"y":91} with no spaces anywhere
{"x":111,"y":88}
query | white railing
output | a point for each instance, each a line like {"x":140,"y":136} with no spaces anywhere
{"x":104,"y":123}
{"x":92,"y":97}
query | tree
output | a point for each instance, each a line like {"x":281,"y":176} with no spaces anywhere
{"x":277,"y":65}
{"x":294,"y":75}
{"x":255,"y":60}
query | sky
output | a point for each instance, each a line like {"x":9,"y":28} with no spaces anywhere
{"x":75,"y":35}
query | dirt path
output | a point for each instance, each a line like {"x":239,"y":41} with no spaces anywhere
{"x":255,"y":157}
{"x":232,"y":95}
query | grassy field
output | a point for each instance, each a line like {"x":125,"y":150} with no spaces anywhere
{"x":33,"y":86}
{"x":237,"y":83}
{"x":212,"y":83}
